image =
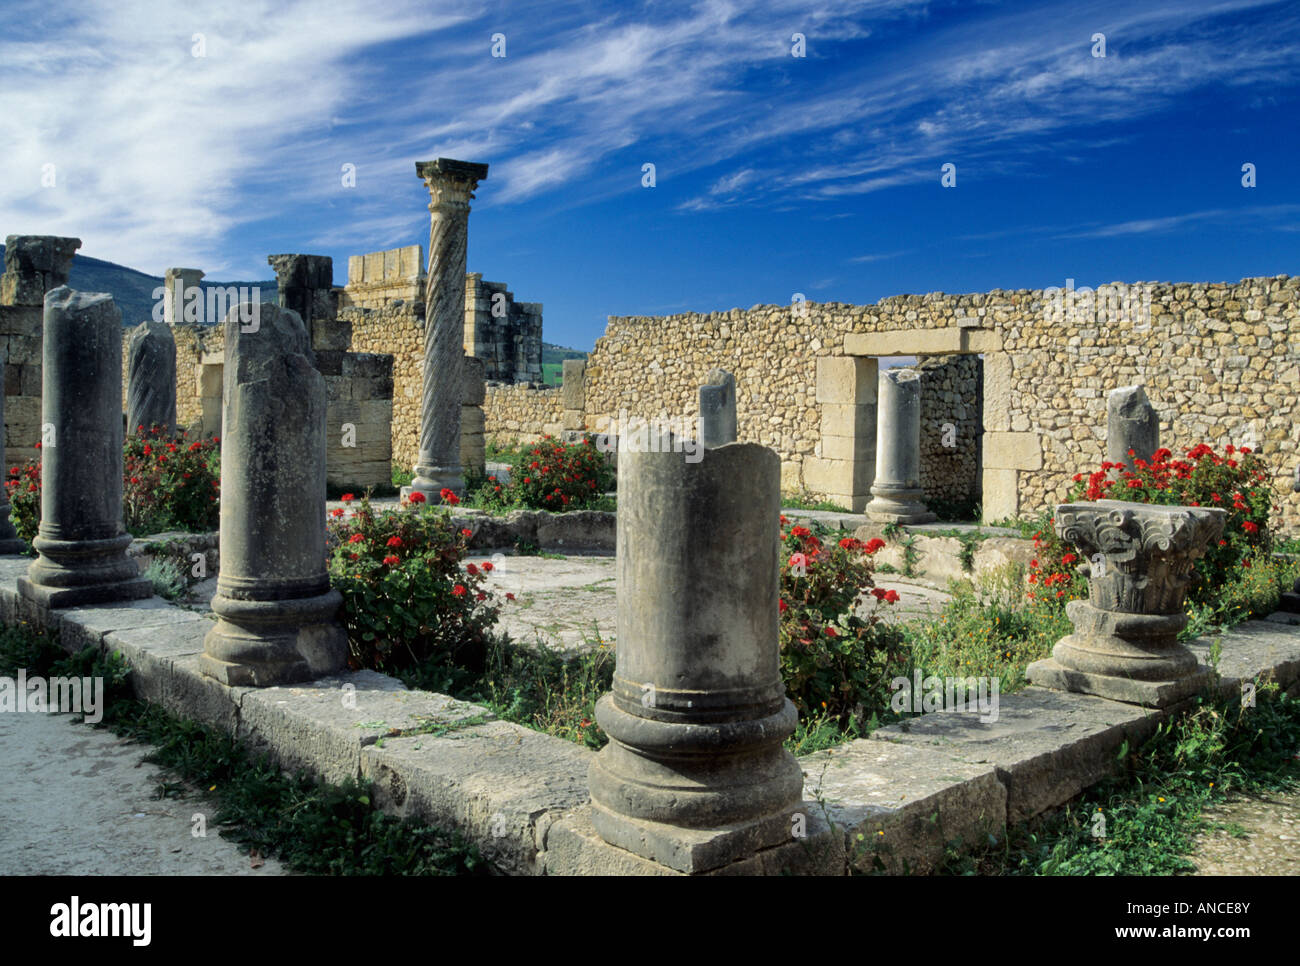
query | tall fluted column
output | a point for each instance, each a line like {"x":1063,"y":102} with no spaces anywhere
{"x":451,"y":187}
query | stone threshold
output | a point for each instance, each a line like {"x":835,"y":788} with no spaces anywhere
{"x":522,"y":795}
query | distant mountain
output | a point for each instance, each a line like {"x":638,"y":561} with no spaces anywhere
{"x":132,"y":290}
{"x":558,"y":353}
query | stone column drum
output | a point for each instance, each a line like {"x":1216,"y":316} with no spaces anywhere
{"x":451,"y":187}
{"x":897,"y":494}
{"x":1139,"y":563}
{"x":718,"y":409}
{"x":1131,"y":424}
{"x":277,"y":614}
{"x":81,"y":540}
{"x":695,"y":775}
{"x":151,"y":379}
{"x":10,"y":542}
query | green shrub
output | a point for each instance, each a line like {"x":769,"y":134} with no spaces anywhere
{"x":168,"y":483}
{"x":167,"y":577}
{"x":1236,"y":481}
{"x":407,"y":599}
{"x":836,"y":656}
{"x":550,"y":475}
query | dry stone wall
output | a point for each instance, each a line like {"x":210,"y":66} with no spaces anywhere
{"x":952,"y":425}
{"x":1220,"y":362}
{"x":522,"y":412}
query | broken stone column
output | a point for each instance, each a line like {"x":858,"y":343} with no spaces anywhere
{"x":718,"y":409}
{"x":151,"y":379}
{"x":451,"y":187}
{"x":1139,"y":562}
{"x":305,"y":284}
{"x":277,"y":614}
{"x":81,"y":540}
{"x":1131,"y":424}
{"x":695,"y":776}
{"x":177,"y":284}
{"x":896,"y":494}
{"x":573,"y":394}
{"x":10,"y":542}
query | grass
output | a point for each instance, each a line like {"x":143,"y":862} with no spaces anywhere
{"x":315,"y":828}
{"x":986,"y":631}
{"x":1144,"y":820}
{"x":806,"y":501}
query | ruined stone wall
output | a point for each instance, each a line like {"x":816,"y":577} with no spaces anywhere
{"x":33,"y":265}
{"x":521,"y":412}
{"x":952,"y":425}
{"x":506,"y":335}
{"x":1220,"y":361}
{"x":397,"y":330}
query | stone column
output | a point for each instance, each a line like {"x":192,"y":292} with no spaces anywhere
{"x":10,"y":542}
{"x":81,"y":540}
{"x":897,"y":495}
{"x":177,"y":282}
{"x":277,"y":614}
{"x":1139,"y":563}
{"x":151,"y":379}
{"x":1131,"y":424}
{"x":695,"y":775}
{"x":451,"y":187}
{"x":573,"y":395}
{"x":718,"y":409}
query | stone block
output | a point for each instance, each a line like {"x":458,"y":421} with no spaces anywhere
{"x":1001,"y":497}
{"x":997,"y":552}
{"x":356,"y":269}
{"x":1013,"y":451}
{"x":574,"y":392}
{"x":572,"y":419}
{"x":901,"y":805}
{"x":911,"y":342}
{"x":21,"y":320}
{"x":472,"y":420}
{"x":997,"y":392}
{"x":851,"y":421}
{"x":330,"y":334}
{"x":22,"y":289}
{"x":848,"y":448}
{"x":838,"y":476}
{"x":977,"y":340}
{"x":846,"y":380}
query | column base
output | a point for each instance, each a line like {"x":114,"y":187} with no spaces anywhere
{"x":136,"y":588}
{"x":1048,"y":673}
{"x":695,"y":795}
{"x":902,"y":506}
{"x":261,"y":643}
{"x":72,"y":573}
{"x":432,"y":480}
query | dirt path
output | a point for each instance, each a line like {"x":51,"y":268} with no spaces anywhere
{"x":1252,"y":836}
{"x":76,"y":800}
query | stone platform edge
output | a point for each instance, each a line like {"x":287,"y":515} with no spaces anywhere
{"x":891,"y":802}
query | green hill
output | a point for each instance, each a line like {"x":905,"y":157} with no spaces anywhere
{"x":132,"y":290}
{"x":553,"y":357}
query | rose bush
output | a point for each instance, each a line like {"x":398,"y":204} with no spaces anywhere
{"x":408,"y":597}
{"x":168,"y":483}
{"x":1235,"y":481}
{"x":550,"y":475}
{"x":836,"y":656}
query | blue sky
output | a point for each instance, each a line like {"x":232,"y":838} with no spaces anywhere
{"x":775,"y":174}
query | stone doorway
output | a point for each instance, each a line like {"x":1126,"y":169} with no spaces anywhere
{"x":211,"y":378}
{"x":846,"y":395}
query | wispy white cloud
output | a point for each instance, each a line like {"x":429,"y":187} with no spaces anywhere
{"x":164,"y":158}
